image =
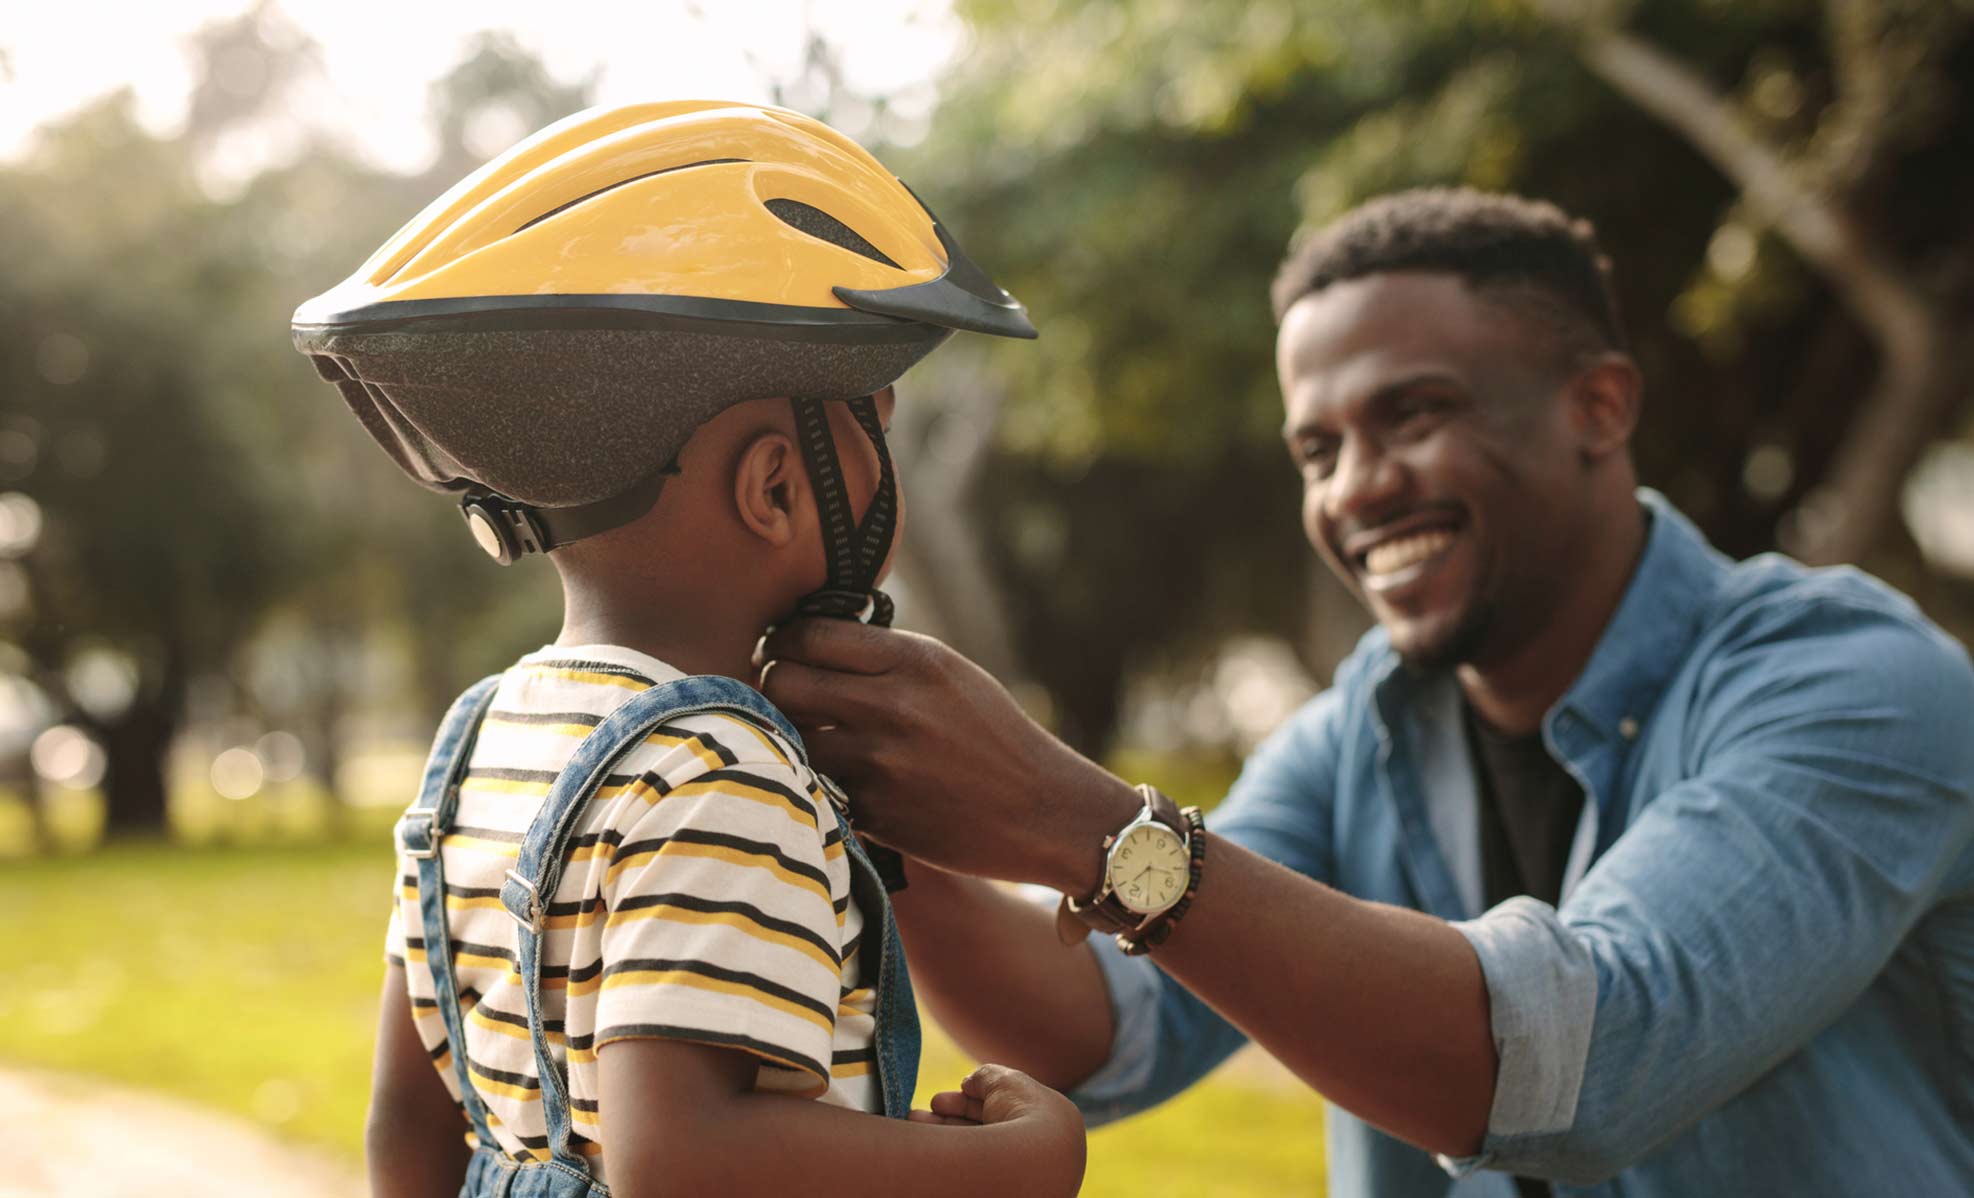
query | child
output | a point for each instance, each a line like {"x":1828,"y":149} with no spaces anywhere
{"x":635,"y":933}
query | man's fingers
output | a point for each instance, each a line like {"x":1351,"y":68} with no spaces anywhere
{"x":842,"y":645}
{"x":942,"y":1120}
{"x":811,"y":697}
{"x":840,"y":752}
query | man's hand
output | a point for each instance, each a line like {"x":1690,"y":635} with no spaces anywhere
{"x":938,"y":759}
{"x":1383,"y":1010}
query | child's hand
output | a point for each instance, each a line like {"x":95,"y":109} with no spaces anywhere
{"x":997,"y":1094}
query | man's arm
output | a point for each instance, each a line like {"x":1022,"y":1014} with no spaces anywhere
{"x":988,"y":964}
{"x":1381,"y":1009}
{"x":414,"y":1139}
{"x":1745,"y":909}
{"x":1749,"y":905}
{"x":992,"y":969}
{"x":683,"y":1118}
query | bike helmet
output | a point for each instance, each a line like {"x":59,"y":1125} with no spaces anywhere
{"x":546,"y":335}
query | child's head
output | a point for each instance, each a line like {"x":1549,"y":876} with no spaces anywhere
{"x":740,"y":524}
{"x":653,"y":337}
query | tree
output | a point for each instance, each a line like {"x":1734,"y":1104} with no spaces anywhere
{"x":157,"y":548}
{"x":1134,"y":172}
{"x":1888,"y":94}
{"x":212,"y":516}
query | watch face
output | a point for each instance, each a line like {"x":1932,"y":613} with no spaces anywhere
{"x":1148,"y":868}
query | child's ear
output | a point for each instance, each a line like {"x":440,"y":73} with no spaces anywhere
{"x":768,"y":484}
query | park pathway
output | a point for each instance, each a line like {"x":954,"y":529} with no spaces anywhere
{"x":84,"y":1138}
{"x":81,"y":1138}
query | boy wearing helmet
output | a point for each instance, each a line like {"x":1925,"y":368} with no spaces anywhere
{"x":634,"y":928}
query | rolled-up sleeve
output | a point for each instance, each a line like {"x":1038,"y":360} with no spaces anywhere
{"x":1744,"y":909}
{"x":1542,"y":987}
{"x":1114,"y":1090}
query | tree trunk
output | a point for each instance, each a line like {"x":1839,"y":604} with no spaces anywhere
{"x":134,"y":778}
{"x":1088,"y":689}
{"x":135,"y":745}
{"x":1918,"y":372}
{"x":1917,"y":389}
{"x":941,"y":556}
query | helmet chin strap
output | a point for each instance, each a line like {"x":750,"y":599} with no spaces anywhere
{"x":855,"y":551}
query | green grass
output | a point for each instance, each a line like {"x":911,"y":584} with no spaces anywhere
{"x":1224,"y":1138}
{"x":246,"y":978}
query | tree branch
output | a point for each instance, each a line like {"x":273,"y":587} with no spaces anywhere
{"x":1843,"y":518}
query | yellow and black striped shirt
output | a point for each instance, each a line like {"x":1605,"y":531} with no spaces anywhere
{"x":706,"y":897}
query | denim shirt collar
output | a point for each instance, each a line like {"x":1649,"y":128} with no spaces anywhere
{"x":1663,"y":605}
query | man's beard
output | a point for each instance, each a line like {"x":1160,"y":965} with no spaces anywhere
{"x":1463,"y":644}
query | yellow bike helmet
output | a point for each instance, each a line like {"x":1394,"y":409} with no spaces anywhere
{"x":546,"y":335}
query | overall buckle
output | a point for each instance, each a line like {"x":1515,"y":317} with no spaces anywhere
{"x":412,"y":817}
{"x":530,"y":914}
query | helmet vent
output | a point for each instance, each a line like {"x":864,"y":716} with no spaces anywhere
{"x":824,"y":227}
{"x":684,"y":166}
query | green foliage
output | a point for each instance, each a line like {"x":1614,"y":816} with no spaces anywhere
{"x":204,"y":494}
{"x":1134,"y":172}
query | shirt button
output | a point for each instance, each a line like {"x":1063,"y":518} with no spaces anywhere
{"x":1628,"y":728}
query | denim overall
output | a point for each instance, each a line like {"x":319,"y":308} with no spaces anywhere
{"x":491,"y":1173}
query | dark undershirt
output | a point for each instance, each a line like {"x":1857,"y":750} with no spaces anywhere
{"x":1529,"y":808}
{"x":1528,"y":811}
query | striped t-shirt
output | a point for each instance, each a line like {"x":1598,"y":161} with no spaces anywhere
{"x":706,"y":897}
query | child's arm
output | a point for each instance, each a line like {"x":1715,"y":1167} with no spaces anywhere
{"x":415,"y":1140}
{"x":681,"y":1118}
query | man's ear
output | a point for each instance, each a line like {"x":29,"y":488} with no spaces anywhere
{"x":768,"y":485}
{"x":1604,"y":402}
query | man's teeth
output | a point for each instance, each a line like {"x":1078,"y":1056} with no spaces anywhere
{"x":1405,"y":551}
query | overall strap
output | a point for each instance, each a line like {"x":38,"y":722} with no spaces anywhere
{"x":420,"y":832}
{"x":532,"y":883}
{"x":898,"y":1039}
{"x":871,"y":883}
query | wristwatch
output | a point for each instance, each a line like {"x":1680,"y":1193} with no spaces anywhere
{"x":1147,"y":870}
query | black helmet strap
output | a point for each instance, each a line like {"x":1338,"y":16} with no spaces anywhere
{"x":509,"y":529}
{"x":855,"y":552}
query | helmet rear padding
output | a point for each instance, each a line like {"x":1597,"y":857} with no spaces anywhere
{"x":560,"y":417}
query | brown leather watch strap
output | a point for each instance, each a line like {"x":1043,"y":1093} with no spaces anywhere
{"x":1076,"y":918}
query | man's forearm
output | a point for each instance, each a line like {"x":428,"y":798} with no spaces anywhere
{"x":989,"y":966}
{"x":1383,"y":1010}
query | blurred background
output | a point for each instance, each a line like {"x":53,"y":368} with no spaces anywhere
{"x":227,"y":625}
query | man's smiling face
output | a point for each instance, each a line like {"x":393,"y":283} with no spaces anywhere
{"x":1440,"y":479}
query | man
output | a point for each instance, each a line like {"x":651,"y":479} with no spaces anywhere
{"x":1605,"y":861}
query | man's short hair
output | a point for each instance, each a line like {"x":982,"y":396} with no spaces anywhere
{"x":1526,"y":253}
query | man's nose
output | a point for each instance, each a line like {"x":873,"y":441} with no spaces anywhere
{"x":1365,"y":481}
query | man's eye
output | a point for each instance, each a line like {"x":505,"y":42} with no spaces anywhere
{"x":1315,"y":457}
{"x":1421,"y":416}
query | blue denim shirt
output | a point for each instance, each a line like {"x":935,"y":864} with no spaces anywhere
{"x":1764,"y":982}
